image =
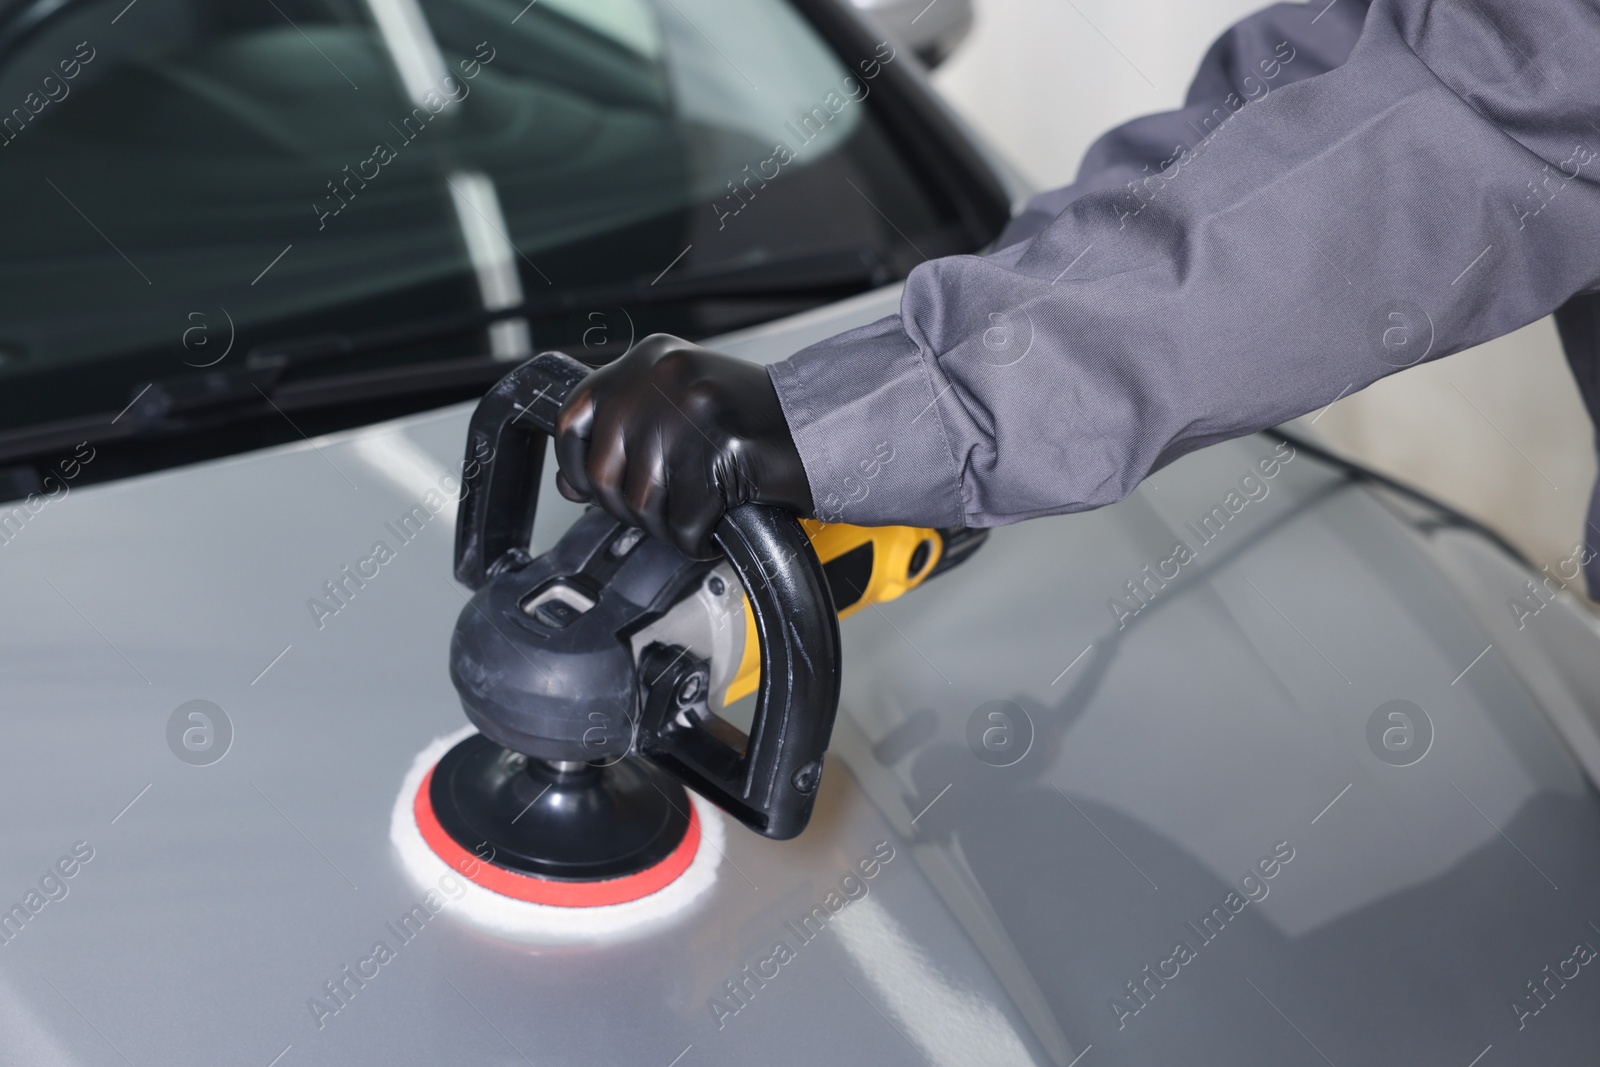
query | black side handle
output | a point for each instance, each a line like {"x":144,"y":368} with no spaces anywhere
{"x":504,"y":461}
{"x":771,"y":786}
{"x":768,"y":779}
{"x":798,"y":629}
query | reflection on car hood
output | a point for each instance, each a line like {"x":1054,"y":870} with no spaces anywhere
{"x":1121,"y":802}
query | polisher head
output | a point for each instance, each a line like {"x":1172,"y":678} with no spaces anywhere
{"x":573,"y":835}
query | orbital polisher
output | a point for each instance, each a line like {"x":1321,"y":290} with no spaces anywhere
{"x":595,"y":673}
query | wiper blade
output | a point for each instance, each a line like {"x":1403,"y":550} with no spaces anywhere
{"x":822,"y":274}
{"x":802,"y":274}
{"x":154,"y":411}
{"x":265,"y":379}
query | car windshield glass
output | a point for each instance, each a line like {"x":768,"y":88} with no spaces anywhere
{"x":187,"y":181}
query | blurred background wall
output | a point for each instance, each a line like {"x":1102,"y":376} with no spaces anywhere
{"x":1498,"y":431}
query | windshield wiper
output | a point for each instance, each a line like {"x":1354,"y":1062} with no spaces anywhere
{"x":814,"y":275}
{"x":268,"y":378}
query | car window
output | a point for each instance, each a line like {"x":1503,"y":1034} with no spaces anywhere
{"x":187,"y":178}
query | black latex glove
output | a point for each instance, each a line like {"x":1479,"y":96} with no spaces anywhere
{"x":671,"y":435}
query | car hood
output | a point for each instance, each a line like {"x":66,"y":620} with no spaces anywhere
{"x":1119,"y":806}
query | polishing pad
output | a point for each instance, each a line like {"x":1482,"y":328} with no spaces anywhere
{"x":575,"y":834}
{"x":523,"y":905}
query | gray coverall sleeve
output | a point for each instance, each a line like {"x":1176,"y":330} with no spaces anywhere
{"x":1436,"y":190}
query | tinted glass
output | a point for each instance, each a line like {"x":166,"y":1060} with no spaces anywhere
{"x":184,"y":178}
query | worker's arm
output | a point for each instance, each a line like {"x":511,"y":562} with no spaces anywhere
{"x":1436,"y":190}
{"x":671,"y":435}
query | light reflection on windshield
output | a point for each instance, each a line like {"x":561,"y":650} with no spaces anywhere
{"x":423,"y":69}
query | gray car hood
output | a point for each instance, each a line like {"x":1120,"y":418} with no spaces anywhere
{"x":1111,"y":819}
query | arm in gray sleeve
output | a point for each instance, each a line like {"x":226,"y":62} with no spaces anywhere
{"x":1436,"y":190}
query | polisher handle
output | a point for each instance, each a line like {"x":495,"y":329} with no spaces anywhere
{"x":505,"y":458}
{"x":771,"y":786}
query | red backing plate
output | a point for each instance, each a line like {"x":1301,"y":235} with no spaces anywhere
{"x":537,"y":890}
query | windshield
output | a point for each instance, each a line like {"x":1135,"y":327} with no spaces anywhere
{"x":186,"y":182}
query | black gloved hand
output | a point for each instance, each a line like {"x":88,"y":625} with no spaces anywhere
{"x":671,"y":435}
